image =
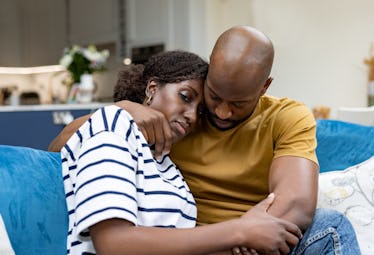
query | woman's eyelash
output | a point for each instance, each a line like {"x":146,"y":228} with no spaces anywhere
{"x":184,"y":97}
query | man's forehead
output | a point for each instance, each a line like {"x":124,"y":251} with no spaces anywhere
{"x":228,"y":91}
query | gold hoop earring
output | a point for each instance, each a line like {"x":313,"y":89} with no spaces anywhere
{"x":149,"y":100}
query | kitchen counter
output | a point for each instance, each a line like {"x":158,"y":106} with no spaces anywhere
{"x":36,"y":126}
{"x":52,"y":107}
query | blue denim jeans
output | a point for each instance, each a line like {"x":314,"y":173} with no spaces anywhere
{"x":330,"y":233}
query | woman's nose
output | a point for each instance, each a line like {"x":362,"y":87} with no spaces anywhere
{"x":191,"y":114}
{"x":223,"y":111}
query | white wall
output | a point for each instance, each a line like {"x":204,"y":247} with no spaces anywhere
{"x":320,"y":45}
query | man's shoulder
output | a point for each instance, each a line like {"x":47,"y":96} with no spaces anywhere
{"x":283,"y":107}
{"x":285,"y":112}
{"x":281,"y":102}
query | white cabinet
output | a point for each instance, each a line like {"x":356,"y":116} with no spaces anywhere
{"x":93,"y":21}
{"x":32,"y":32}
{"x":35,"y":32}
{"x":43,"y":30}
{"x":147,"y":22}
{"x":178,"y":24}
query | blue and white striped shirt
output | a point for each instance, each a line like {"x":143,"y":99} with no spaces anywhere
{"x":109,"y":172}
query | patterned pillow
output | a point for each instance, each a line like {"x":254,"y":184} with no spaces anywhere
{"x":5,"y":246}
{"x":351,"y":191}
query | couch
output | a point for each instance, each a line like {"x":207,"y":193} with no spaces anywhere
{"x":32,"y":201}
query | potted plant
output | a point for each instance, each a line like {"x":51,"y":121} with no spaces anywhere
{"x":81,"y":63}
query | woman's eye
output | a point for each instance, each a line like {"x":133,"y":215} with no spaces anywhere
{"x":185,"y":98}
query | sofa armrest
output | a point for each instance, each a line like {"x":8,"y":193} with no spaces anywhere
{"x":32,"y":200}
{"x":343,"y":144}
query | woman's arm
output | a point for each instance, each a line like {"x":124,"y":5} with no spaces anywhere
{"x":256,"y":229}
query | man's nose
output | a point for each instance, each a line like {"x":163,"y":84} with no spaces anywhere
{"x":223,"y":111}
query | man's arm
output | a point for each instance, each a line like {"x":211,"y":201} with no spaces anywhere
{"x":152,"y":123}
{"x":294,"y":180}
{"x":61,"y":139}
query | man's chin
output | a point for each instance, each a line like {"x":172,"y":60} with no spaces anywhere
{"x":221,"y":125}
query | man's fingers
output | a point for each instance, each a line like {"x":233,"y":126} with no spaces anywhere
{"x":168,"y":138}
{"x":159,"y":144}
{"x":145,"y":134}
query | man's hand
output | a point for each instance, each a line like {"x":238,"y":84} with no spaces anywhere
{"x":153,"y":125}
{"x":268,"y":234}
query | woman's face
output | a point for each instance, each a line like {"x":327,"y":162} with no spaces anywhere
{"x":179,"y":102}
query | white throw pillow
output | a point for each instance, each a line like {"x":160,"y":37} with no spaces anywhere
{"x":351,"y":191}
{"x":5,"y":246}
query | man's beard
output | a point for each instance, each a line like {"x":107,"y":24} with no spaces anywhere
{"x":212,"y":117}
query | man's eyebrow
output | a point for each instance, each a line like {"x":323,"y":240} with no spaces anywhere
{"x":211,"y":90}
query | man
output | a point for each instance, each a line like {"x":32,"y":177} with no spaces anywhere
{"x":250,"y":145}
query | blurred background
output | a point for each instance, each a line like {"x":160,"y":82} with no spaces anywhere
{"x":320,"y":45}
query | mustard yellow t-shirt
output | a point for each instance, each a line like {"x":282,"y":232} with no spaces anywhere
{"x":227,"y":171}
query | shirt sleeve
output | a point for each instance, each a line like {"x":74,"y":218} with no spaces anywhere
{"x":106,"y":180}
{"x":295,"y":133}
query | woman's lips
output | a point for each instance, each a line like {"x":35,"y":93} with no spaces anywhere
{"x":180,"y":128}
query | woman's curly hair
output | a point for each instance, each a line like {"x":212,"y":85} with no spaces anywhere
{"x":164,"y":67}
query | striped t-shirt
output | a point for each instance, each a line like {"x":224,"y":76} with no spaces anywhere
{"x":109,"y":172}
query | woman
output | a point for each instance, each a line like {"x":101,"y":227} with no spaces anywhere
{"x":123,"y":201}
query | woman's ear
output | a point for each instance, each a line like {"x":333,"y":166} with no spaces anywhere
{"x":151,"y":88}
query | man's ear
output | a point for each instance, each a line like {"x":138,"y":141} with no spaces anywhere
{"x":266,"y":85}
{"x":151,"y":88}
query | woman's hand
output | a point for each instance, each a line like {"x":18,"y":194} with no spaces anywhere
{"x":267,"y":234}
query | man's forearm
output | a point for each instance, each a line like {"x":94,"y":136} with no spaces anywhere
{"x":61,"y":139}
{"x":294,"y":181}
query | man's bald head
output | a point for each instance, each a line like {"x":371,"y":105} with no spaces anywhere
{"x":238,"y":75}
{"x":244,"y":51}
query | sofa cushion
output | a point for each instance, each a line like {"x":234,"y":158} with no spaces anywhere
{"x":342,"y":144}
{"x":350,"y":191}
{"x":32,"y":200}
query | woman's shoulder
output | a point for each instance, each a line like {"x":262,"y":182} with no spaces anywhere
{"x":111,"y":118}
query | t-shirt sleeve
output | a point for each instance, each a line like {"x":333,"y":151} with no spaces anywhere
{"x":105,"y":181}
{"x":295,"y":133}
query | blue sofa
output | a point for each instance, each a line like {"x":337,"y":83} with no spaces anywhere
{"x":32,"y":201}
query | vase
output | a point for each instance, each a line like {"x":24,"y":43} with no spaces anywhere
{"x":371,"y":93}
{"x":86,"y":89}
{"x":73,"y":92}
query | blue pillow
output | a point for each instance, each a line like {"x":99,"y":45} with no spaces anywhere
{"x":32,"y":200}
{"x":343,"y":144}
